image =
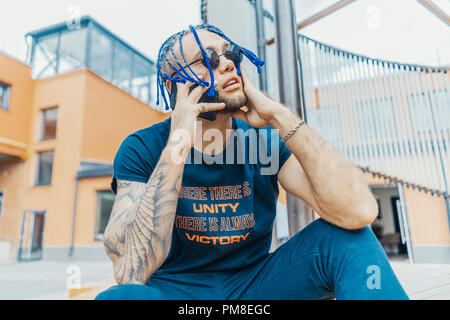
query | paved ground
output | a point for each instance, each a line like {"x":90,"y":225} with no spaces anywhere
{"x":48,"y":280}
{"x":424,"y":281}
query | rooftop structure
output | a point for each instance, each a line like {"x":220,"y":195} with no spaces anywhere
{"x":68,"y":46}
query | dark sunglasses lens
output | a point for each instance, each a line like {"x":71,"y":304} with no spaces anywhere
{"x":214,"y":59}
{"x":234,"y":53}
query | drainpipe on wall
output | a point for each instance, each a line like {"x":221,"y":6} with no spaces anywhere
{"x":74,"y":215}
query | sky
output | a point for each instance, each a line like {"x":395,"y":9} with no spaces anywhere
{"x":144,"y":24}
{"x":400,"y":30}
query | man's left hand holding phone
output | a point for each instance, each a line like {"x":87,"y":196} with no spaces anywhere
{"x":187,"y":106}
{"x":210,"y":115}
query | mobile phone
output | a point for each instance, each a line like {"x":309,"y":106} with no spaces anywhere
{"x":210,"y":115}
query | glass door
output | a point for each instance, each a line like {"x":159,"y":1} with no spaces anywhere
{"x":31,"y":236}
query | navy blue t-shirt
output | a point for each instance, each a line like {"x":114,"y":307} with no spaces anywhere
{"x":227,"y":203}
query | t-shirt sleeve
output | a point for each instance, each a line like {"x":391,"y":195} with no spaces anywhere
{"x":278,"y":151}
{"x":133,"y":161}
{"x":285,"y":153}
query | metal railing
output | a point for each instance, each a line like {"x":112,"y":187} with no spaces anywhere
{"x":390,"y":119}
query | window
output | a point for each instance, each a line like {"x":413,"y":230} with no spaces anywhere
{"x":72,"y":49}
{"x":101,"y":50}
{"x":123,"y":62}
{"x":4,"y":96}
{"x":48,"y":123}
{"x":105,"y":201}
{"x":44,"y":168}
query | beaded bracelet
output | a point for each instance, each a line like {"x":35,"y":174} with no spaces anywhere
{"x":290,"y":133}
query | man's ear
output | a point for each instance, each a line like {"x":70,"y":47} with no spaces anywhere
{"x":169,"y":85}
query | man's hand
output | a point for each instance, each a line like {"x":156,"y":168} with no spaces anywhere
{"x":186,"y":111}
{"x":261,"y":108}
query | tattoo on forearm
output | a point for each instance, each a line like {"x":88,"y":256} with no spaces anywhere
{"x":139,"y":233}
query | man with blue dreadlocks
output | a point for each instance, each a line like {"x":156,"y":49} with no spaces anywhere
{"x":202,"y":228}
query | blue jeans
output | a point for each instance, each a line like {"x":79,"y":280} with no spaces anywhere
{"x":322,"y":261}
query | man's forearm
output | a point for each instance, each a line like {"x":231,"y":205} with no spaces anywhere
{"x":340,"y":187}
{"x":139,"y":234}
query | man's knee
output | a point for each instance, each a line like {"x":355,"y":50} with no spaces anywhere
{"x":325,"y":233}
{"x":130,"y":292}
{"x":325,"y":227}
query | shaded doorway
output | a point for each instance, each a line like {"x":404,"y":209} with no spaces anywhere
{"x":388,"y":226}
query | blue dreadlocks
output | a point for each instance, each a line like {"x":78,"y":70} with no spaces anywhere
{"x":181,"y":74}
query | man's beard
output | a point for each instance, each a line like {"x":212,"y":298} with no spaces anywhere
{"x":232,"y":104}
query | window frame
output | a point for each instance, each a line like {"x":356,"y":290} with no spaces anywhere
{"x":36,"y":178}
{"x":8,"y":95}
{"x":98,"y":237}
{"x":42,"y":124}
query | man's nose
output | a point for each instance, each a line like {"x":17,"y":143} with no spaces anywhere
{"x":225,"y":65}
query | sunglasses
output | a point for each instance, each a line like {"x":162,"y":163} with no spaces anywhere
{"x":232,"y":52}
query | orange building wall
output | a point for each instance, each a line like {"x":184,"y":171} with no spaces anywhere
{"x":87,"y":209}
{"x":426,"y":214}
{"x":66,"y":91}
{"x":427,"y":219}
{"x":110,"y":115}
{"x":93,"y":118}
{"x":12,"y":178}
{"x":15,"y":122}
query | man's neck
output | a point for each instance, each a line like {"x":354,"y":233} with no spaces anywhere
{"x":208,"y":142}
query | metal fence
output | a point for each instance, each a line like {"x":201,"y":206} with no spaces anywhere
{"x":390,"y":119}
